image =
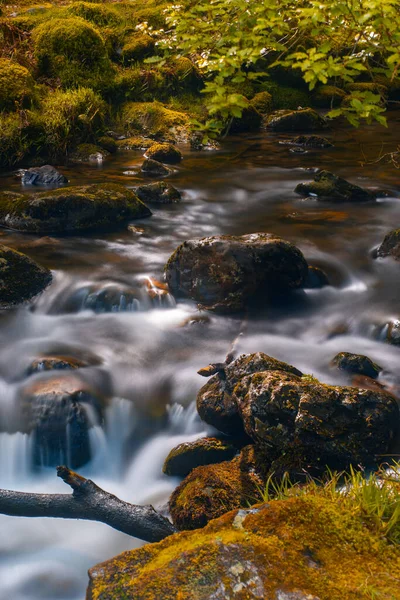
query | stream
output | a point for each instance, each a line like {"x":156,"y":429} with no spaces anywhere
{"x":148,"y":353}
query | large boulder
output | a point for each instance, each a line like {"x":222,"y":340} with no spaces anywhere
{"x":46,"y":175}
{"x":187,"y":456}
{"x":308,"y":547}
{"x":210,"y":491}
{"x":305,"y":119}
{"x":59,"y":411}
{"x":71,"y":209}
{"x":330,"y":188}
{"x":227,"y":273}
{"x":21,"y":278}
{"x":390,"y":245}
{"x":216,"y":404}
{"x":323,"y":425}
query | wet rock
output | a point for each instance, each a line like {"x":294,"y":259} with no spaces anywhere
{"x":316,"y":279}
{"x":311,"y":425}
{"x":305,"y":119}
{"x":393,"y":333}
{"x":164,"y":153}
{"x":46,"y":175}
{"x":262,"y":102}
{"x":228,"y":273}
{"x":364,"y":382}
{"x":153,"y":168}
{"x":328,"y":96}
{"x":300,"y":548}
{"x":158,"y":193}
{"x":356,"y":363}
{"x":189,"y":455}
{"x":98,"y":206}
{"x":108,"y":143}
{"x":390,"y":245}
{"x":331,"y":188}
{"x":60,"y":411}
{"x":21,"y":278}
{"x":55,"y":363}
{"x":89,"y":153}
{"x":210,"y":491}
{"x":215,"y":402}
{"x":311,"y":141}
{"x":250,"y":120}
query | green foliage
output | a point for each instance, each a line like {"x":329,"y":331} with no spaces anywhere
{"x":236,"y":40}
{"x":16,"y":84}
{"x":71,"y":50}
{"x":71,"y":117}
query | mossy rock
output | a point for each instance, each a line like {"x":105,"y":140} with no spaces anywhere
{"x":16,"y":84}
{"x":189,"y":455}
{"x":262,"y":102}
{"x":308,"y":547}
{"x":72,"y":50}
{"x":390,"y":246}
{"x":215,"y":402}
{"x":250,"y":120}
{"x":101,"y":15}
{"x":165,"y":153}
{"x":330,"y":188}
{"x":314,"y":424}
{"x":138,"y":83}
{"x":311,"y":141}
{"x":138,"y":47}
{"x":305,"y":119}
{"x":89,"y":153}
{"x":21,"y":278}
{"x":107,"y":143}
{"x":327,"y":96}
{"x":356,"y":363}
{"x":134,"y":143}
{"x":153,"y":168}
{"x":375,"y":88}
{"x":155,"y":120}
{"x":286,"y":97}
{"x":229,"y":273}
{"x":158,"y":193}
{"x":181,"y":75}
{"x":66,"y":210}
{"x":212,"y":490}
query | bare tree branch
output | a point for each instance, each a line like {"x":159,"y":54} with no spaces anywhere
{"x":88,"y":502}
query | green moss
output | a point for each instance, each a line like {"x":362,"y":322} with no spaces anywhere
{"x":262,"y":102}
{"x":138,"y":47}
{"x":73,"y":51}
{"x":375,"y":88}
{"x":14,"y":140}
{"x":88,"y":152}
{"x":107,"y":143}
{"x":327,"y":96}
{"x":284,"y":96}
{"x":153,"y":119}
{"x":20,"y":277}
{"x":166,"y":153}
{"x":135,"y":143}
{"x":136,"y":84}
{"x":16,"y":84}
{"x":99,"y":14}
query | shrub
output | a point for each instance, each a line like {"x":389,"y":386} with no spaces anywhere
{"x":71,"y":117}
{"x":16,"y":84}
{"x":71,"y":50}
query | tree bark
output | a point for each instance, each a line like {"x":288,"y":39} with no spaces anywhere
{"x":88,"y":502}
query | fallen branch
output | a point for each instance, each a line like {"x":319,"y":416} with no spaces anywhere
{"x":88,"y":502}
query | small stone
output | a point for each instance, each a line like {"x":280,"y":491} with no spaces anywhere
{"x":158,"y":193}
{"x":46,"y":175}
{"x":154,"y":168}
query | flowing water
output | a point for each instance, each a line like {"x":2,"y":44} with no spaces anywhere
{"x":145,"y":352}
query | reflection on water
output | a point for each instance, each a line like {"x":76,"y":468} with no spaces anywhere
{"x":103,"y":309}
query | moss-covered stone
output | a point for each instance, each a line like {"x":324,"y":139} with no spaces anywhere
{"x":305,"y":119}
{"x":390,"y":245}
{"x":134,"y":143}
{"x":71,"y":50}
{"x":228,"y":273}
{"x":330,"y":188}
{"x":138,"y":47}
{"x":189,"y":455}
{"x":165,"y":153}
{"x":107,"y":143}
{"x":88,"y":153}
{"x":356,"y":363}
{"x":100,"y":14}
{"x":375,"y":88}
{"x":16,"y":84}
{"x":155,"y":120}
{"x":21,"y":278}
{"x":309,"y":547}
{"x":212,"y":490}
{"x":262,"y":102}
{"x":71,"y":209}
{"x":153,"y":168}
{"x":158,"y":193}
{"x":286,"y":97}
{"x":328,"y":96}
{"x":215,"y":402}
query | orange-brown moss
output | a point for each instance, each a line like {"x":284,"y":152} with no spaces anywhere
{"x":308,"y":544}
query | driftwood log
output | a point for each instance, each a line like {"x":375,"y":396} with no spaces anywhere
{"x":88,"y":502}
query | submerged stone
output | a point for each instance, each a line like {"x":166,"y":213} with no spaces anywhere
{"x":189,"y":455}
{"x":311,"y":141}
{"x":158,"y":193}
{"x":164,"y":153}
{"x":21,"y":278}
{"x":331,"y":188}
{"x":46,"y":175}
{"x":66,"y":210}
{"x":316,"y":278}
{"x":55,"y":363}
{"x":227,"y":273}
{"x":305,"y":119}
{"x":356,"y":363}
{"x":153,"y":168}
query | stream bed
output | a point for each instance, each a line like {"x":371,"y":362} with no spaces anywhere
{"x":148,"y":353}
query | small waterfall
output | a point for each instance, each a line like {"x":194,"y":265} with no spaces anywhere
{"x":15,"y":458}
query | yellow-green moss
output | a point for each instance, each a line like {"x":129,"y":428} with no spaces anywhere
{"x":166,"y":153}
{"x":100,"y":14}
{"x":14,"y":141}
{"x":285,"y":96}
{"x":309,"y":544}
{"x":16,"y":84}
{"x":262,"y":102}
{"x":153,"y":119}
{"x":138,"y":47}
{"x":327,"y":96}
